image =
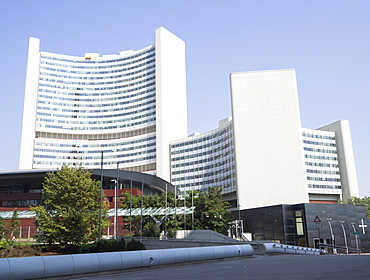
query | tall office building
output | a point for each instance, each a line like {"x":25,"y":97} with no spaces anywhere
{"x":277,"y":161}
{"x":131,"y":108}
{"x":262,"y":156}
{"x":206,"y":160}
{"x":128,"y":105}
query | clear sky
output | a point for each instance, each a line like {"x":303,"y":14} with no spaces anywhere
{"x":327,"y":42}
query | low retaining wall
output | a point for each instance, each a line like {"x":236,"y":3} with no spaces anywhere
{"x":274,"y":248}
{"x":97,"y":263}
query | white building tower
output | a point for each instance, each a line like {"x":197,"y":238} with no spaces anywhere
{"x":128,"y":105}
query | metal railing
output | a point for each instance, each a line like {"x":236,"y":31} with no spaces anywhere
{"x":337,"y":249}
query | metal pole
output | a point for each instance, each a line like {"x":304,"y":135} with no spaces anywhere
{"x":141,"y":211}
{"x":165,"y":225}
{"x":101,"y":196}
{"x":354,"y":230}
{"x":345,"y":237}
{"x":130,"y":205}
{"x":115,"y":212}
{"x":175,"y":213}
{"x":192,"y":213}
{"x":184,"y":214}
{"x":332,"y":236}
{"x":116,"y":203}
{"x":239,"y":226}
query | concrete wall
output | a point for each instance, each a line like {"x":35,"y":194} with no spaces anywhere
{"x":267,"y":138}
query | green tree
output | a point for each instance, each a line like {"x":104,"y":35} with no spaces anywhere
{"x":71,"y":211}
{"x":15,"y":223}
{"x":359,"y":201}
{"x":3,"y":228}
{"x":210,"y":212}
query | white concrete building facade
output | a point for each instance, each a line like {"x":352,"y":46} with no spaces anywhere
{"x":130,"y":109}
{"x":278,"y":161}
{"x":128,"y":105}
{"x":205,"y":160}
{"x":262,"y":156}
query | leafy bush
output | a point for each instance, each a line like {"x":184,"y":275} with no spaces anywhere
{"x":171,"y":232}
{"x":104,"y":246}
{"x":151,"y":230}
{"x":135,"y":245}
{"x":4,"y":244}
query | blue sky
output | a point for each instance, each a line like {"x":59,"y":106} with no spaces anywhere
{"x":327,"y":42}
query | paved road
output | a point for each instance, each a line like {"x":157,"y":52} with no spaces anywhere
{"x":261,"y":267}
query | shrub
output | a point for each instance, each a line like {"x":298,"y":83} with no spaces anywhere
{"x":171,"y":232}
{"x":135,"y":245}
{"x":151,"y":230}
{"x":104,"y":246}
{"x":4,"y":244}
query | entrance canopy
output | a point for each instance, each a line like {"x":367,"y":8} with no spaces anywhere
{"x":121,"y":212}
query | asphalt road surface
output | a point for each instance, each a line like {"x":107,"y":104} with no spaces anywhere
{"x":355,"y":267}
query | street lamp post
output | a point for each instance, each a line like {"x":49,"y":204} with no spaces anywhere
{"x":141,"y":211}
{"x":345,"y":237}
{"x":175,"y":196}
{"x":115,"y":230}
{"x":239,"y":223}
{"x":192,"y":213}
{"x":165,"y":225}
{"x":101,"y":196}
{"x":185,"y":214}
{"x":116,"y":202}
{"x":332,"y":235}
{"x":354,"y":230}
{"x":130,"y":205}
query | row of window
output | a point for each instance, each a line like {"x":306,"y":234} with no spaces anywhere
{"x":320,"y":157}
{"x":121,"y":75}
{"x":324,"y":186}
{"x":82,"y":116}
{"x":67,"y":82}
{"x":322,"y":172}
{"x":226,"y":162}
{"x":213,"y":174}
{"x":83,"y":123}
{"x":323,"y":179}
{"x":75,"y":66}
{"x":123,"y":149}
{"x":128,"y":124}
{"x":28,"y":202}
{"x":228,"y":181}
{"x":319,"y":150}
{"x":150,"y":139}
{"x":204,"y":146}
{"x":137,"y":156}
{"x":319,"y":143}
{"x":134,"y":104}
{"x":317,"y":136}
{"x":116,"y":120}
{"x":45,"y":56}
{"x":215,"y":152}
{"x":150,"y":158}
{"x":62,"y":86}
{"x":204,"y":160}
{"x":320,"y":164}
{"x":146,"y":87}
{"x":202,"y":139}
{"x":127,"y":99}
{"x":123,"y":71}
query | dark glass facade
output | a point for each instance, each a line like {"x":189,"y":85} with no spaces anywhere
{"x":297,"y":224}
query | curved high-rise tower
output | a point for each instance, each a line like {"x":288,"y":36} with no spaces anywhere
{"x":126,"y":106}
